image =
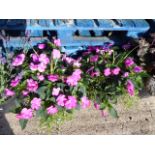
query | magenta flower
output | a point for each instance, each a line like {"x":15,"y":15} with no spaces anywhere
{"x":53,"y":77}
{"x":126,"y":74}
{"x":25,"y":114}
{"x":15,"y":82}
{"x":93,"y":74}
{"x":71,"y":102}
{"x":76,"y":64}
{"x":69,"y":60}
{"x":40,"y":77}
{"x":94,"y":58}
{"x":107,"y":72}
{"x":77,"y":73}
{"x":33,"y":66}
{"x":71,"y":80}
{"x":85,"y":102}
{"x":32,"y":85}
{"x":137,"y":69}
{"x":74,"y":78}
{"x":116,"y":71}
{"x":41,"y":46}
{"x":97,"y":106}
{"x":43,"y":58}
{"x":18,"y":60}
{"x":36,"y":103}
{"x":61,"y":99}
{"x":42,"y":67}
{"x":35,"y":57}
{"x":57,"y":42}
{"x":55,"y":91}
{"x":56,"y":54}
{"x":52,"y":110}
{"x":129,"y":62}
{"x":9,"y":93}
{"x":25,"y":92}
{"x":130,"y":87}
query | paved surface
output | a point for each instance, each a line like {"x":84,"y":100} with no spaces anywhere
{"x":140,"y":119}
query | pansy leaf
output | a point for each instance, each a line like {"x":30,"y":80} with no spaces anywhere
{"x":23,"y":123}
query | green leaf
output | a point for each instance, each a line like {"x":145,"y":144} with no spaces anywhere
{"x":23,"y":123}
{"x":113,"y":112}
{"x":41,"y":92}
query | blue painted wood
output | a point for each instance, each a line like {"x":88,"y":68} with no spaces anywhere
{"x":91,"y":31}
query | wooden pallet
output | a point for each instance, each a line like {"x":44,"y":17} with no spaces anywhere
{"x":73,"y":33}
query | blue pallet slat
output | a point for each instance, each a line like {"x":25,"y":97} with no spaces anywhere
{"x":44,"y":22}
{"x":84,"y":23}
{"x":141,"y":27}
{"x":106,"y":23}
{"x":91,"y":31}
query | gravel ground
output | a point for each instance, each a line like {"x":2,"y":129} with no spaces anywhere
{"x":139,"y":119}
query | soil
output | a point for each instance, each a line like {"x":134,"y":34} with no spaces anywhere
{"x":139,"y":119}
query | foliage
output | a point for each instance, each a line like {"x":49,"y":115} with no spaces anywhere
{"x":111,"y":76}
{"x":5,"y":73}
{"x":50,"y":84}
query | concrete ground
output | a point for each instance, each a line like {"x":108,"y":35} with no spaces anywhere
{"x":139,"y":119}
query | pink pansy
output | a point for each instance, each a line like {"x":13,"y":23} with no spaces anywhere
{"x":15,"y":82}
{"x":97,"y":106}
{"x":32,"y":85}
{"x":18,"y":60}
{"x":42,"y":67}
{"x":52,"y":110}
{"x":71,"y":80}
{"x":61,"y":99}
{"x":53,"y":77}
{"x":74,"y":78}
{"x":116,"y":71}
{"x":94,"y":58}
{"x":41,"y":46}
{"x":104,"y":113}
{"x":25,"y":92}
{"x":129,"y":62}
{"x":93,"y":74}
{"x":40,"y":77}
{"x":56,"y":54}
{"x":25,"y":114}
{"x":76,"y":64}
{"x":35,"y":57}
{"x":71,"y":102}
{"x":107,"y":72}
{"x":33,"y":66}
{"x":55,"y":91}
{"x":126,"y":74}
{"x":85,"y":102}
{"x":36,"y":103}
{"x":77,"y":73}
{"x":69,"y":60}
{"x":43,"y":58}
{"x":9,"y":92}
{"x":137,"y":69}
{"x":130,"y":87}
{"x":57,"y":42}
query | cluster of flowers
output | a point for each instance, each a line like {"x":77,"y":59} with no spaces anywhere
{"x":97,"y":71}
{"x":105,"y":70}
{"x":38,"y":71}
